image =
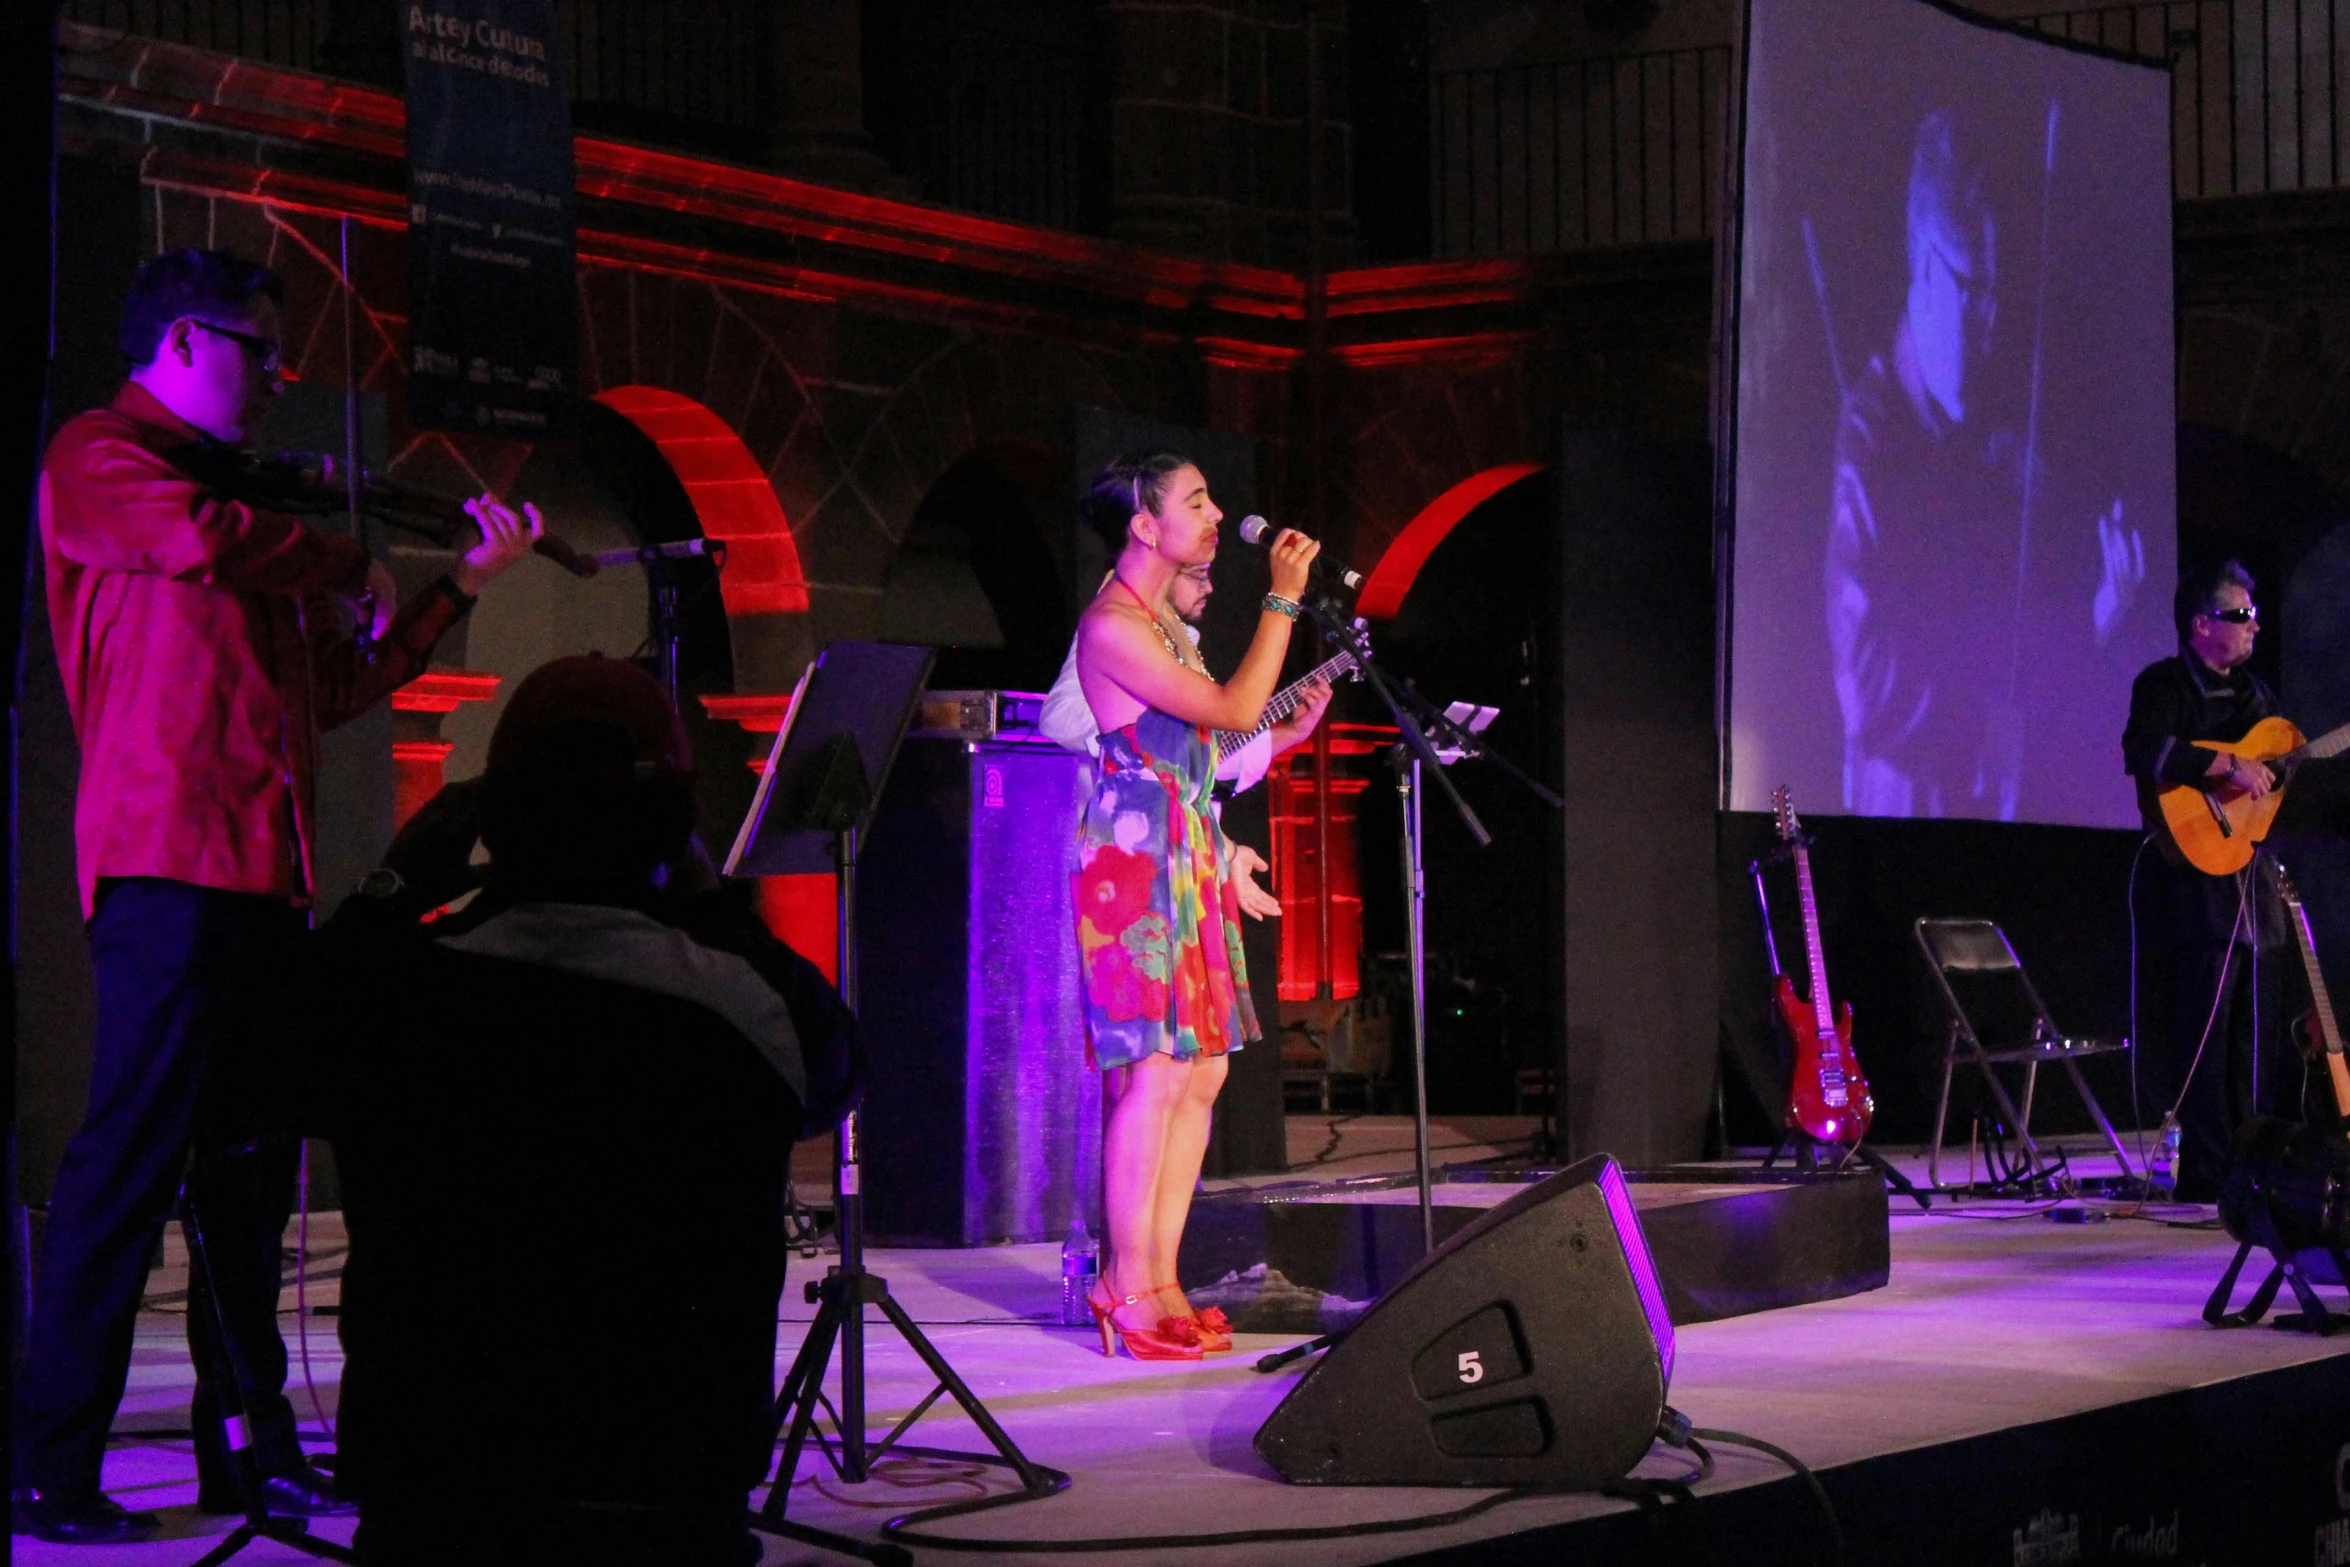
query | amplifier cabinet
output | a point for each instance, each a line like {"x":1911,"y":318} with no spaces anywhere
{"x":983,"y":1122}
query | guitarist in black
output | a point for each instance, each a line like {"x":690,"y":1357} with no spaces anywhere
{"x":2204,"y":930}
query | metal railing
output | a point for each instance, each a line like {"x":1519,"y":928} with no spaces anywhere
{"x":665,"y":72}
{"x":290,"y":33}
{"x":1578,"y":154}
{"x":2256,"y":86}
{"x":691,"y":76}
{"x":1583,"y":154}
{"x":988,"y":108}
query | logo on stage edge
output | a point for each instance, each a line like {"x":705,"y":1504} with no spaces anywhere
{"x":2051,"y":1539}
{"x":2333,"y":1536}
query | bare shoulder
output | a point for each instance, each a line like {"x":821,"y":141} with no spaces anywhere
{"x":1108,"y":623}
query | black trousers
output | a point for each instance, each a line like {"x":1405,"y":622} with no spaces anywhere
{"x":175,"y":967}
{"x":2215,"y":1001}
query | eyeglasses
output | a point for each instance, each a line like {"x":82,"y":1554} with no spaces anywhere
{"x":1975,"y":292}
{"x":270,"y":355}
{"x":1203,"y":575}
{"x":2239,"y":615}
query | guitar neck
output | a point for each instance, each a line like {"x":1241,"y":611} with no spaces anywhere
{"x":2323,"y":1003}
{"x":1822,"y":1009}
{"x":2332,"y":743}
{"x":1282,"y":704}
{"x":2337,"y":1069}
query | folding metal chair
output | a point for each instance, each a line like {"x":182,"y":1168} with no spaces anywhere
{"x":2007,"y":1024}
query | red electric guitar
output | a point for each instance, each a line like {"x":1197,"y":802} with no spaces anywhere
{"x":1828,"y":1099}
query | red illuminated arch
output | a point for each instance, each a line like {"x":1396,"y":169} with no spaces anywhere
{"x":730,"y":494}
{"x":1383,"y":591}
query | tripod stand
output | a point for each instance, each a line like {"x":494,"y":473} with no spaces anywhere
{"x":812,"y":806}
{"x":236,"y":1399}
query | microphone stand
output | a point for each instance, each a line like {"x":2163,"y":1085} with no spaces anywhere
{"x":1417,"y":720}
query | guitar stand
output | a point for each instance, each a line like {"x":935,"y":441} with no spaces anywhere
{"x":1807,"y":1147}
{"x":2293,"y":1269}
{"x":1806,"y":1150}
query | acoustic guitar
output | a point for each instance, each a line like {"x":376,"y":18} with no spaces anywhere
{"x":2321,"y":1032}
{"x":2218,"y":832}
{"x":1827,"y":1097}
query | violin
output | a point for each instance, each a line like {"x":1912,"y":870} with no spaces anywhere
{"x":320,"y":483}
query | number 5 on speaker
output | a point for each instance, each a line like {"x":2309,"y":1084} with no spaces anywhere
{"x":1472,"y":1369}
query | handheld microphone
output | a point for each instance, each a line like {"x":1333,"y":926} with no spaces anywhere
{"x":1256,"y":530}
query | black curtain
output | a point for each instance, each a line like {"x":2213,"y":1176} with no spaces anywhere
{"x":1639,"y":776}
{"x":28,"y":175}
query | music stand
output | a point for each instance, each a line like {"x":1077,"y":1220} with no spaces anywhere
{"x":823,"y":778}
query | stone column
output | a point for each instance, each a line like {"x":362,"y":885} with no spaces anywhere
{"x":819,"y":129}
{"x":1208,"y":116}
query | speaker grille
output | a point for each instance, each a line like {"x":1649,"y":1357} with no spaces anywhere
{"x":1636,"y":1258}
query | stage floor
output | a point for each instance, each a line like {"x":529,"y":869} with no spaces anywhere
{"x":1996,"y":1320}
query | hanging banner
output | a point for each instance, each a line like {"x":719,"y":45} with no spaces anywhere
{"x":493,"y":307}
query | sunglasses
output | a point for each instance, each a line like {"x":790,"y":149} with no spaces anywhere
{"x":2240,"y":615}
{"x":270,"y":355}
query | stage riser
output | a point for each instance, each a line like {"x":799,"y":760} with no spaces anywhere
{"x":1782,"y":1243}
{"x":2244,"y":1473}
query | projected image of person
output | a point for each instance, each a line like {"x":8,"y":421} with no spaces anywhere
{"x":1937,"y":455}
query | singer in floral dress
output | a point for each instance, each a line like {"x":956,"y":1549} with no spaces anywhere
{"x":1158,"y":923}
{"x":1157,"y":918}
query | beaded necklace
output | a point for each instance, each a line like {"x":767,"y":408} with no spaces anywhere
{"x":1174,"y":648}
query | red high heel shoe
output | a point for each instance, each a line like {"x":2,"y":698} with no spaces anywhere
{"x":1211,"y":1327}
{"x":1174,"y":1338}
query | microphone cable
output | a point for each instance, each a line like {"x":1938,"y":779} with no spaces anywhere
{"x":302,"y":1290}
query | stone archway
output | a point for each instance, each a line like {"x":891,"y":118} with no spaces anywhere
{"x":1399,"y":565}
{"x":730,"y":495}
{"x":975,"y":575}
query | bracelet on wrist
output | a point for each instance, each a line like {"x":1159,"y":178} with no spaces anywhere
{"x":1281,"y":606}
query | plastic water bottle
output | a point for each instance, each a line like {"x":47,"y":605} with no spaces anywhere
{"x":1080,"y":1266}
{"x":2162,"y":1170}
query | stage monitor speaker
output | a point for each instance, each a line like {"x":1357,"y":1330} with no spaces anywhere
{"x":1532,"y":1348}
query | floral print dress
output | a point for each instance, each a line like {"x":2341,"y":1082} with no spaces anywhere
{"x":1158,"y":927}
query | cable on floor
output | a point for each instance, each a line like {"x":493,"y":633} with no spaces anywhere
{"x":1819,"y":1492}
{"x":1655,"y":1498}
{"x":905,"y":1530}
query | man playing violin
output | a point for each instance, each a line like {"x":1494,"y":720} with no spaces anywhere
{"x":202,"y":652}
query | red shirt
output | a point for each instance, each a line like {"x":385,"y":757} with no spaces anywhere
{"x":202,"y":654}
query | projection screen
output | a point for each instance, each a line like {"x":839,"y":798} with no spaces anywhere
{"x":1955,"y":527}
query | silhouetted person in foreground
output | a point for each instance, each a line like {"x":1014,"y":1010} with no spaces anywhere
{"x":563,"y":1118}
